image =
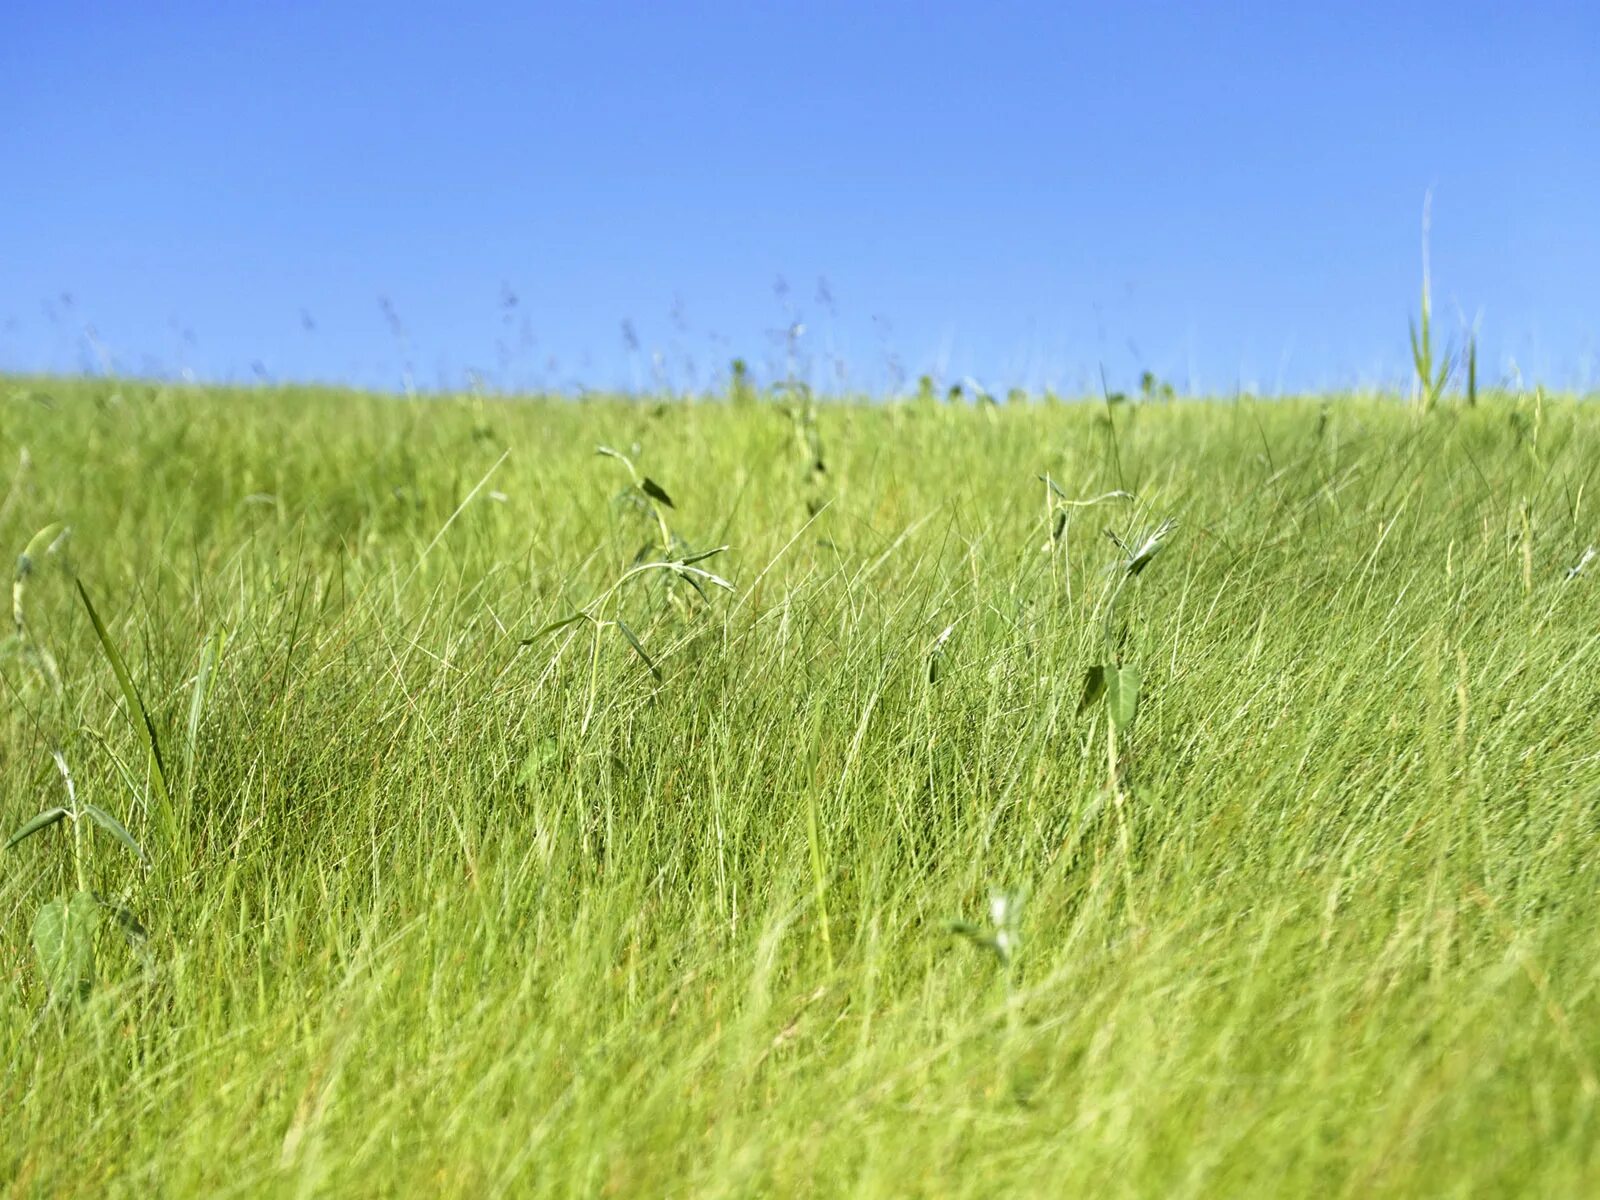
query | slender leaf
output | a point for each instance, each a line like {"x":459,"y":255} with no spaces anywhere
{"x":43,"y":821}
{"x":209,"y":655}
{"x":115,"y":828}
{"x":718,"y":580}
{"x":634,"y":642}
{"x":552,"y":627}
{"x":701,"y":556}
{"x":130,"y":693}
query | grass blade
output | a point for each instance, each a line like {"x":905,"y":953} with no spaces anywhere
{"x":209,"y":656}
{"x":551,"y":628}
{"x":130,"y":693}
{"x":635,"y":643}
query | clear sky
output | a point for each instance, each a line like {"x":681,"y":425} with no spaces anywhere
{"x":584,"y":194}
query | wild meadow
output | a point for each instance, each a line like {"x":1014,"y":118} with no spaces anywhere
{"x":912,"y":798}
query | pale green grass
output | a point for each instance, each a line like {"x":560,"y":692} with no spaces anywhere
{"x":412,"y":933}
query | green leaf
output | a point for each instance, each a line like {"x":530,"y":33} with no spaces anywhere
{"x":701,"y":556}
{"x":552,"y":627}
{"x":209,"y":654}
{"x":1122,"y":695}
{"x":1094,"y":686}
{"x":710,"y":578}
{"x":656,"y":492}
{"x":63,"y":939}
{"x":634,"y":642}
{"x":115,"y":828}
{"x":129,"y":692}
{"x":43,"y":821}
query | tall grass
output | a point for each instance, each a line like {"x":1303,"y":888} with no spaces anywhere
{"x":436,"y":907}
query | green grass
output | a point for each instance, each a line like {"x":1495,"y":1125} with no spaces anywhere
{"x":414,"y":929}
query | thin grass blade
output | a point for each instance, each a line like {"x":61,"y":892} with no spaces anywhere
{"x":633,"y":641}
{"x":552,"y":627}
{"x":209,"y":656}
{"x":130,"y":693}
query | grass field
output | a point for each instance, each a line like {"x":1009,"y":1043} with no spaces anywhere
{"x":439,"y":901}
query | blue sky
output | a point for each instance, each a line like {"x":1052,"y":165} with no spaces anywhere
{"x":605,"y":195}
